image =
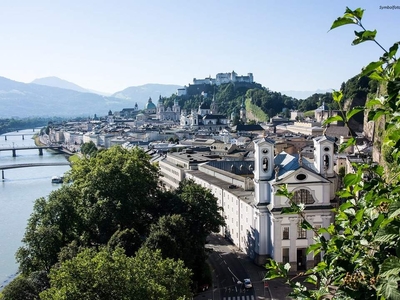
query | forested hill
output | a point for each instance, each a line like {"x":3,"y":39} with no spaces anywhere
{"x":229,"y":99}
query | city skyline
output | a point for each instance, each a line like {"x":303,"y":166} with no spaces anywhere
{"x":107,"y":47}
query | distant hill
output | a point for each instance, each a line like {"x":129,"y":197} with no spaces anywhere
{"x":305,"y":94}
{"x":60,"y":83}
{"x":140,"y":94}
{"x":19,"y":99}
{"x":64,"y":84}
{"x":53,"y":96}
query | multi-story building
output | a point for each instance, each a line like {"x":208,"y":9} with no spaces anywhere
{"x":246,"y":190}
{"x":205,"y":118}
{"x":168,"y":113}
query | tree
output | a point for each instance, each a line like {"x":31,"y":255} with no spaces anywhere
{"x":27,"y":288}
{"x":52,"y":225}
{"x":117,"y":187}
{"x":171,"y":235}
{"x":89,"y":149}
{"x":113,"y":275}
{"x":362,"y":257}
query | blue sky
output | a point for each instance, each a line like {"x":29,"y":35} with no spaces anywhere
{"x":110,"y":45}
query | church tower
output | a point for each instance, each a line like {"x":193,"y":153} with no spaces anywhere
{"x":263,"y":169}
{"x":176,"y":109}
{"x":214,"y":107}
{"x":323,"y":155}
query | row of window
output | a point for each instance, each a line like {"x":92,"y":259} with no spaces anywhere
{"x":285,"y":257}
{"x":301,"y":232}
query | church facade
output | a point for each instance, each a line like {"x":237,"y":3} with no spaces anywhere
{"x":168,"y":113}
{"x":205,"y":118}
{"x":253,"y":210}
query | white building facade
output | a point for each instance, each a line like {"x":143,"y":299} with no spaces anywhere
{"x":253,"y":211}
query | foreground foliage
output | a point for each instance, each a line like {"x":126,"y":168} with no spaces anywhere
{"x":114,"y":202}
{"x":113,"y":275}
{"x":362,"y":257}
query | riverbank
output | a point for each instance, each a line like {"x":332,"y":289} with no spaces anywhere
{"x":36,"y":138}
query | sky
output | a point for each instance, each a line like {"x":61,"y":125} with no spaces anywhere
{"x":108,"y":46}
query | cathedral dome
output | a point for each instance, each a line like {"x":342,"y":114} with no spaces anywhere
{"x":150,"y":104}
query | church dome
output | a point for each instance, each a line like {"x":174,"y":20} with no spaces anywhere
{"x":150,"y":104}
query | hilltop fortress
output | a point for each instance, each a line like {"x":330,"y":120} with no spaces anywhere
{"x":205,"y":85}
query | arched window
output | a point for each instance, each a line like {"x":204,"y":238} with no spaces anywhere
{"x":326,"y":161}
{"x":265,"y":164}
{"x":303,"y":196}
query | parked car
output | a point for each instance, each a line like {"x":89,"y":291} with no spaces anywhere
{"x":247,"y":283}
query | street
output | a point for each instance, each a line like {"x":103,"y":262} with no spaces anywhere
{"x":230,"y":267}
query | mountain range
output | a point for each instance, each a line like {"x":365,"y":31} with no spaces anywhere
{"x":52,"y":96}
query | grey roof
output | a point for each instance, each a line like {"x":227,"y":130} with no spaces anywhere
{"x":325,"y":137}
{"x":213,"y":117}
{"x":204,"y":106}
{"x":254,"y":127}
{"x":286,"y":162}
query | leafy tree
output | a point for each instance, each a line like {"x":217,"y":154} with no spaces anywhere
{"x":116,"y":187}
{"x":27,"y":288}
{"x":89,"y":149}
{"x":113,"y":275}
{"x":127,"y":239}
{"x":362,"y":257}
{"x":171,"y":235}
{"x":53,"y":224}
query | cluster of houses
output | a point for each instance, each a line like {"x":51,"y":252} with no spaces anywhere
{"x":243,"y":166}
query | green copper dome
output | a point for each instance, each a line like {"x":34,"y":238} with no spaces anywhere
{"x":150,"y":104}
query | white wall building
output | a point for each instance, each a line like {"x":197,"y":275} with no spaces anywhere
{"x":247,"y":192}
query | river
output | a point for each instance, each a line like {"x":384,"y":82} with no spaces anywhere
{"x":18,"y":192}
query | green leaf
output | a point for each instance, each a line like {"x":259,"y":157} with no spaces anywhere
{"x":358,"y":217}
{"x":351,"y":179}
{"x":396,"y":68}
{"x":342,"y":21}
{"x":392,"y":51}
{"x":345,"y":206}
{"x":372,"y":103}
{"x":348,"y":143}
{"x":313,"y":248}
{"x":378,"y":222}
{"x":389,"y":289}
{"x":344,"y":193}
{"x":352,"y":112}
{"x":394,"y":209}
{"x":371,"y":67}
{"x":306,"y":225}
{"x":363,"y":36}
{"x":337,"y":96}
{"x":358,"y":13}
{"x":376,"y":76}
{"x":332,"y":119}
{"x":311,"y":279}
{"x":374,"y":115}
{"x":391,"y":266}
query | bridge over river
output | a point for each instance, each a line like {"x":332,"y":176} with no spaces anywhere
{"x":40,"y":148}
{"x":28,"y":165}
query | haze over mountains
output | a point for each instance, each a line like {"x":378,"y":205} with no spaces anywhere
{"x":52,"y":96}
